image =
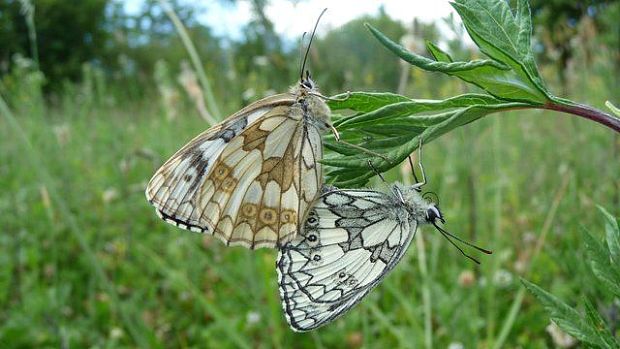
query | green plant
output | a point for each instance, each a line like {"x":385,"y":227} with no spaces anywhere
{"x":604,"y":262}
{"x":393,"y":125}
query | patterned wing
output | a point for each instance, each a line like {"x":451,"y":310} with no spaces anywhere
{"x":350,"y":241}
{"x":245,"y":181}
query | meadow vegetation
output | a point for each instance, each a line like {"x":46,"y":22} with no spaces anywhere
{"x":85,"y":262}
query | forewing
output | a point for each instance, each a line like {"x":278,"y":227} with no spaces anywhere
{"x":350,"y":241}
{"x":243,"y":181}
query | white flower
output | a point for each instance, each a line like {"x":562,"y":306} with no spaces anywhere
{"x":252,"y":317}
{"x":116,"y":333}
{"x":502,"y":278}
{"x":456,"y":345}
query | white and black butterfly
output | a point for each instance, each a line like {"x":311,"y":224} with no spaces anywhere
{"x":350,"y":241}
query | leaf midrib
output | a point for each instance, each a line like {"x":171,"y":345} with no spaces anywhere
{"x":515,"y":48}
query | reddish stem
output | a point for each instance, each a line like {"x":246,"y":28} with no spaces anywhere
{"x":586,"y":112}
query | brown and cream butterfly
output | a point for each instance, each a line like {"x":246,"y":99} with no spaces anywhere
{"x":251,"y":179}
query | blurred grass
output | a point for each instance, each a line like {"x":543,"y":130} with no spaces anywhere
{"x":189,"y":291}
{"x":498,"y":180}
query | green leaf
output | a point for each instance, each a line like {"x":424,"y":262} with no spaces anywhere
{"x":524,"y":21}
{"x":494,"y":77}
{"x":503,"y":36}
{"x":439,"y":54}
{"x":600,"y":263}
{"x":427,"y":110}
{"x":598,"y":324}
{"x":498,"y":79}
{"x":394,"y":131}
{"x":567,"y":318}
{"x":613,"y":236}
{"x":385,"y":128}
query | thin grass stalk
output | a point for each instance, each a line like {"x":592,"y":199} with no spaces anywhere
{"x":426,"y":292}
{"x":518,"y":300}
{"x":129,"y":320}
{"x":212,"y":106}
{"x":423,"y":265}
{"x":497,"y":226}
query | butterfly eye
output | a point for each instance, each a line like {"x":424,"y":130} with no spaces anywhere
{"x":307,"y":84}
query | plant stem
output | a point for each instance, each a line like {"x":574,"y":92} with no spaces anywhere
{"x":587,"y":112}
{"x":195,"y":59}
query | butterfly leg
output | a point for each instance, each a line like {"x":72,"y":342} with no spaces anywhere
{"x":418,"y":185}
{"x":374,"y":169}
{"x":335,"y":132}
{"x":342,"y":99}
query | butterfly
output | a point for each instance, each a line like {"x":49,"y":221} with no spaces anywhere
{"x":251,"y":179}
{"x":350,"y":241}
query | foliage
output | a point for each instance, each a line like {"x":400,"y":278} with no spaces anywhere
{"x":69,"y":33}
{"x":557,"y":21}
{"x":509,"y":77}
{"x":604,"y":262}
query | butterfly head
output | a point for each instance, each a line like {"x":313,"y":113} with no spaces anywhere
{"x":419,"y":207}
{"x":306,"y":83}
{"x":433,"y":214}
{"x":313,"y":104}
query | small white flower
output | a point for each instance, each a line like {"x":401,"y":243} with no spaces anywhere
{"x":456,"y":345}
{"x":502,"y":278}
{"x":116,"y":333}
{"x":252,"y":317}
{"x":109,"y":195}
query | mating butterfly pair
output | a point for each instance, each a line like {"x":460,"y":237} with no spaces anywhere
{"x":255,"y":180}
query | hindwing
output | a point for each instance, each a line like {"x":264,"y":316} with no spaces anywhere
{"x":350,"y":241}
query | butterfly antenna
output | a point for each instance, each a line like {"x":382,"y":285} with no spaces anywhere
{"x":303,"y":66}
{"x":448,"y":237}
{"x":483,"y":250}
{"x":301,"y":54}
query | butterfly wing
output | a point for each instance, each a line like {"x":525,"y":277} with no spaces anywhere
{"x":248,"y":180}
{"x":350,"y":241}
